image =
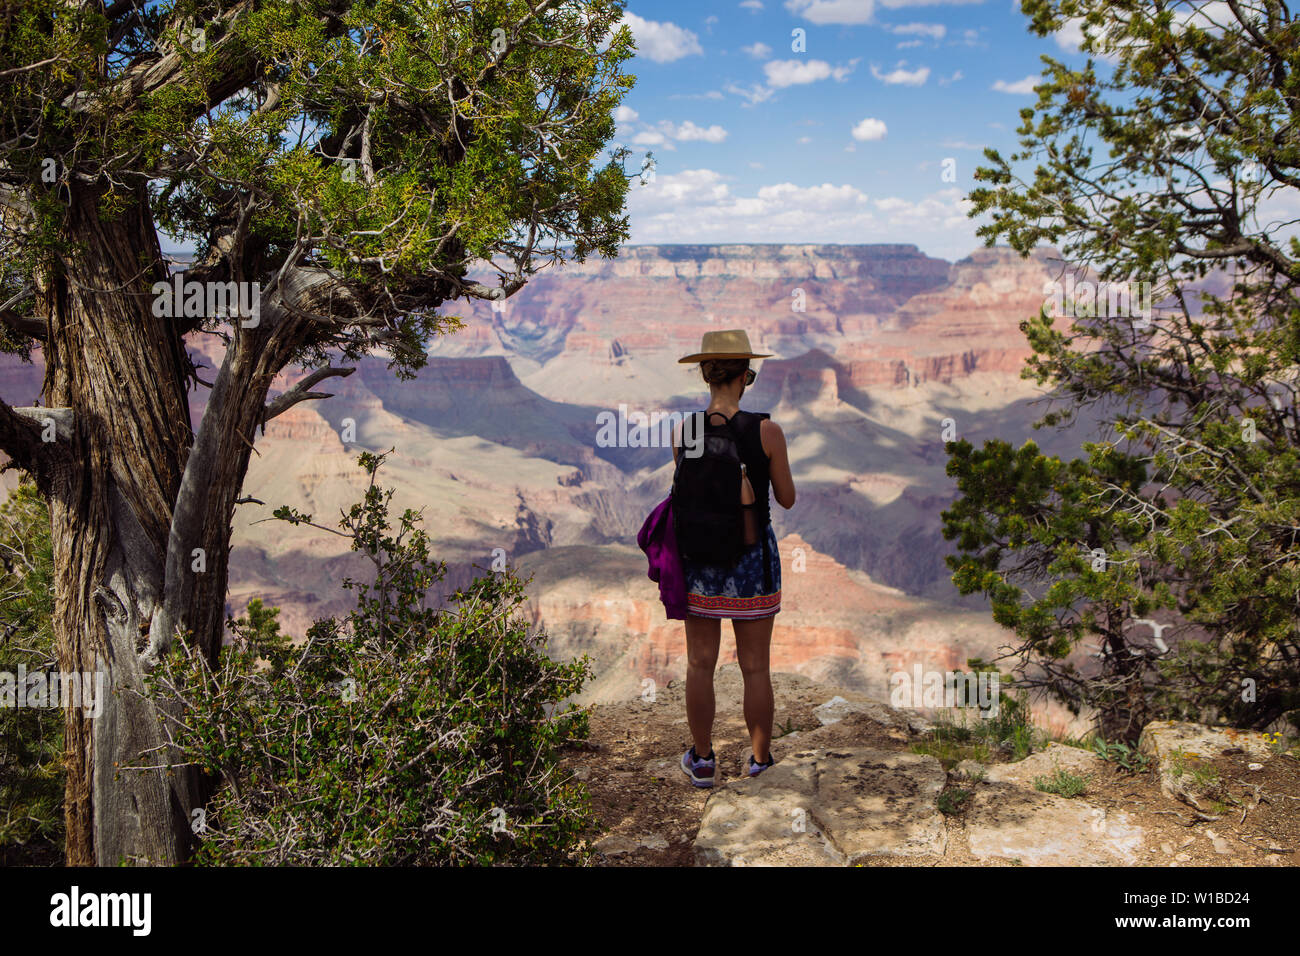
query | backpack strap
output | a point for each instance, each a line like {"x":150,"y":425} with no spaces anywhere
{"x":757,"y":419}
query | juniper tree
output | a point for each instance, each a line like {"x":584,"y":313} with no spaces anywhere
{"x":347,"y":162}
{"x":1172,"y":164}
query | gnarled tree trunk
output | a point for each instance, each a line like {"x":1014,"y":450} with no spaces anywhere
{"x":111,"y":500}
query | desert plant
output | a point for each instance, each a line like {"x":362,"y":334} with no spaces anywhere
{"x":1060,"y":781}
{"x":1126,"y":758}
{"x":401,"y":734}
{"x":953,"y":801}
{"x":31,"y":739}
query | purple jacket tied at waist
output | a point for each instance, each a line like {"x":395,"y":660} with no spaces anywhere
{"x":659,"y":541}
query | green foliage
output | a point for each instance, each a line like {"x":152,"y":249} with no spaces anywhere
{"x":402,"y":734}
{"x":1062,"y":783}
{"x":395,"y":143}
{"x":952,"y":801}
{"x":1126,"y":758}
{"x":31,"y":739}
{"x":1187,"y":503}
{"x":257,"y":633}
{"x":1010,"y":733}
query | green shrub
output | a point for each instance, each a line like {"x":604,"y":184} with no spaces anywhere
{"x":953,"y":801}
{"x":402,"y":734}
{"x":1062,"y":782}
{"x":31,"y":739}
{"x":1010,"y":731}
{"x":1126,"y":758}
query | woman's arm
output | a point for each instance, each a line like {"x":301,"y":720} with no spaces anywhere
{"x":778,"y":463}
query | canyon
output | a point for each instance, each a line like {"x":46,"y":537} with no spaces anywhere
{"x":880,"y":354}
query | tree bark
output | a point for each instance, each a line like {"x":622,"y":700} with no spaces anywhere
{"x":111,"y":503}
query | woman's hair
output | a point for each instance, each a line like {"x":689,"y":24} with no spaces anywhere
{"x":722,"y":371}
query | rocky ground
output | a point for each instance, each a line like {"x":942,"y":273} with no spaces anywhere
{"x":848,"y":789}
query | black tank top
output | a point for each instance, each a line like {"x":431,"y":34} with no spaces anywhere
{"x":749,"y":425}
{"x":756,"y":462}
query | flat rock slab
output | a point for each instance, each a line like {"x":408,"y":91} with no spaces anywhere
{"x":1045,"y":763}
{"x":827,"y":807}
{"x":1178,"y":746}
{"x":1007,"y":821}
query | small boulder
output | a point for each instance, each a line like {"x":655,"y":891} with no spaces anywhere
{"x":1044,"y":763}
{"x":1179,"y":747}
{"x":837,"y":708}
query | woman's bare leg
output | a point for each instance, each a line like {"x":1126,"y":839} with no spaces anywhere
{"x":703,"y":635}
{"x":753,"y":652}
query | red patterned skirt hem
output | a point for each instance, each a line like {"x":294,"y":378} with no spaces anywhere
{"x":737,"y":608}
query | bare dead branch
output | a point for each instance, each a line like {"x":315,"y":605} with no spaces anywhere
{"x":302,"y":391}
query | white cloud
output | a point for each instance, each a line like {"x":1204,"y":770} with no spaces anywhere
{"x":666,"y":132}
{"x":689,"y":132}
{"x":909,"y":44}
{"x":821,"y":12}
{"x":650,"y":137}
{"x":901,"y":77}
{"x":697,"y":205}
{"x":869,"y":130}
{"x":856,"y":12}
{"x":782,"y":73}
{"x":661,"y":42}
{"x":945,"y":80}
{"x":757,"y":50}
{"x":758,"y":93}
{"x":1070,"y":36}
{"x":1020,"y":86}
{"x":690,"y":185}
{"x":935,"y":31}
{"x":940,"y":211}
{"x":805,"y":139}
{"x":625,"y":114}
{"x":754,"y":5}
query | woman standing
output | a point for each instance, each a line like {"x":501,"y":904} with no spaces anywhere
{"x":747,"y":591}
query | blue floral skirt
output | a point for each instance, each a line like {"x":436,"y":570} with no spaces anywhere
{"x":736,"y":592}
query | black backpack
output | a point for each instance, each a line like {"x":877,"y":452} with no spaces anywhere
{"x":707,"y":513}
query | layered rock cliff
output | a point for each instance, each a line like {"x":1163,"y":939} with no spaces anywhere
{"x":877,"y":350}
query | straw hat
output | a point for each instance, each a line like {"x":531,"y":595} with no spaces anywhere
{"x":730,"y":344}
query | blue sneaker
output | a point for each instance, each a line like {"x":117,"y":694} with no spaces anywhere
{"x":701,"y":771}
{"x":755,"y":768}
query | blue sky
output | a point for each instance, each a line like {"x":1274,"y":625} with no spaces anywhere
{"x":843,"y":142}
